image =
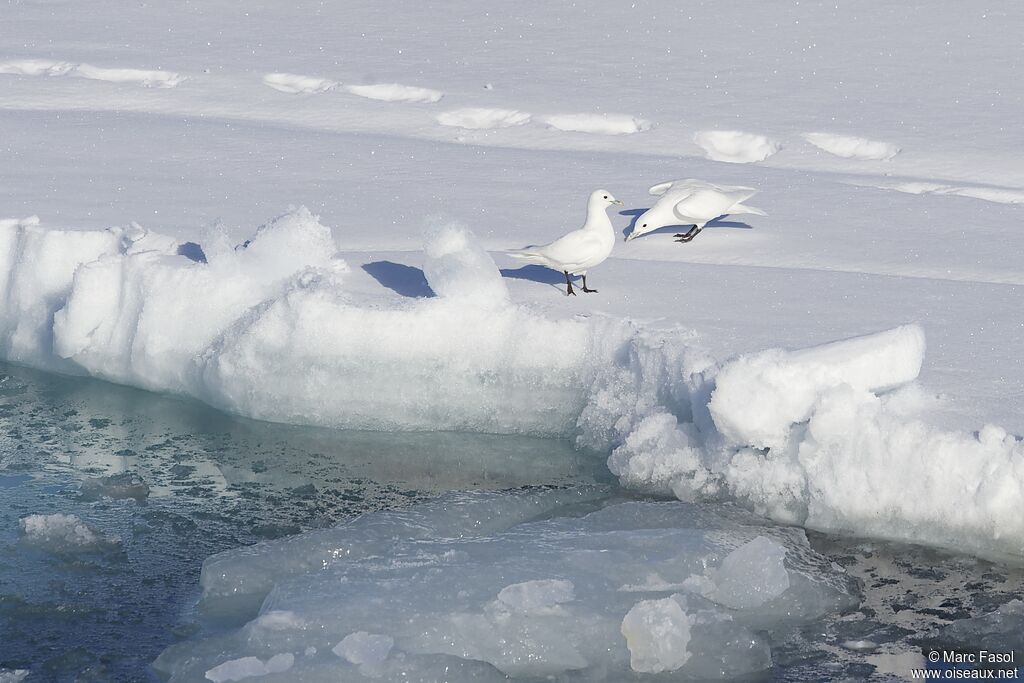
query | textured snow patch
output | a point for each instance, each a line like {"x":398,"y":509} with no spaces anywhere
{"x":295,"y":84}
{"x":45,"y":67}
{"x":483,"y":118}
{"x":394,"y":92}
{"x":735,"y":147}
{"x":35,"y":67}
{"x":13,"y":675}
{"x":458,"y":268}
{"x":144,"y":77}
{"x":657,"y":633}
{"x":850,"y":147}
{"x":250,"y":667}
{"x":61,"y":533}
{"x":998,"y":195}
{"x":601,"y":124}
{"x":759,"y":397}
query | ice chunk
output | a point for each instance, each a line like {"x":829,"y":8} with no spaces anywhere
{"x":751,"y":575}
{"x":366,"y":650}
{"x":62,"y":533}
{"x":13,"y":675}
{"x":536,"y":597}
{"x":121,"y":485}
{"x":759,"y":397}
{"x":657,"y":633}
{"x":250,"y":667}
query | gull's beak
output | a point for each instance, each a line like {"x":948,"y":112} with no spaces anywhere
{"x":617,"y":201}
{"x":630,"y":236}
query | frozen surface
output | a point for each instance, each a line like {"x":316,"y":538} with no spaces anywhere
{"x":529,"y":590}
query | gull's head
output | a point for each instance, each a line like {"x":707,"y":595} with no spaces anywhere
{"x":603,"y":199}
{"x":647,"y":221}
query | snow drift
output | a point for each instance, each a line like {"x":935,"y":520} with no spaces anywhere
{"x":835,"y":438}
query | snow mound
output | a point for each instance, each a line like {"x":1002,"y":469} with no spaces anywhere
{"x":62,"y":533}
{"x":851,"y":147}
{"x":47,"y":67}
{"x":758,"y":398}
{"x":394,"y":92}
{"x":601,"y":124}
{"x":483,"y":118}
{"x":524,"y":590}
{"x":144,"y":77}
{"x":735,"y":147}
{"x":35,"y":67}
{"x":295,"y":84}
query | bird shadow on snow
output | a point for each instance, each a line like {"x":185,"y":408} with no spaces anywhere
{"x":404,"y":280}
{"x":535,"y":273}
{"x":716,"y":223}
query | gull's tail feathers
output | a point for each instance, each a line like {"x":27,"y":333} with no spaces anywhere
{"x":743,"y":208}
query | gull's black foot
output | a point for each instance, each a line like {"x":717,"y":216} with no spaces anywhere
{"x":568,"y":285}
{"x":684,"y":237}
{"x":588,"y":291}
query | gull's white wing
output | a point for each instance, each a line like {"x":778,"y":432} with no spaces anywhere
{"x":660,"y":188}
{"x":705,"y":203}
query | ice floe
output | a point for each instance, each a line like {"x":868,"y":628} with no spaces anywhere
{"x":523,"y":585}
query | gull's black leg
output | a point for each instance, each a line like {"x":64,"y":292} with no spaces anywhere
{"x":688,"y":236}
{"x":568,"y":284}
{"x":588,"y":291}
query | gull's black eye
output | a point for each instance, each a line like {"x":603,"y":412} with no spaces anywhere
{"x":644,"y":225}
{"x":606,"y":196}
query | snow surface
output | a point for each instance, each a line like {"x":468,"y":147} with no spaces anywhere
{"x":851,"y":147}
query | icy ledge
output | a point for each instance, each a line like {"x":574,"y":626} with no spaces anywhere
{"x":834,"y":438}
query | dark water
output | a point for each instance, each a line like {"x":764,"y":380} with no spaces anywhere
{"x":214,"y":482}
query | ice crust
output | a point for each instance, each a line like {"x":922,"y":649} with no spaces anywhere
{"x":835,"y":437}
{"x":519,"y":584}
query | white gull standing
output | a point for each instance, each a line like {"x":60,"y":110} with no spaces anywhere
{"x":692,"y":202}
{"x":580,"y":250}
